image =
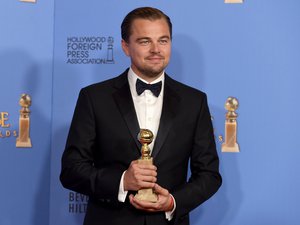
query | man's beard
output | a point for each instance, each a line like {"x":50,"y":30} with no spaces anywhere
{"x":151,"y":73}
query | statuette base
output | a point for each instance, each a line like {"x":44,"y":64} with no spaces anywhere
{"x":234,"y":148}
{"x":146,"y":195}
{"x":22,"y":144}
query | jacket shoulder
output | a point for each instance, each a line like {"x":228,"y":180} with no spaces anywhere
{"x":184,"y":90}
{"x":106,"y":86}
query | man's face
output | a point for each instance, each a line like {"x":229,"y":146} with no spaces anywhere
{"x":149,"y":47}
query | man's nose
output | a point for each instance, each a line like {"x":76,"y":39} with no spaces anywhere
{"x":155,"y":47}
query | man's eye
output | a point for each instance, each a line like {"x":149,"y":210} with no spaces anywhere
{"x":163,"y":41}
{"x":146,"y":42}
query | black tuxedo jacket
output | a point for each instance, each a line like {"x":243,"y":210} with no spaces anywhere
{"x":102,"y":142}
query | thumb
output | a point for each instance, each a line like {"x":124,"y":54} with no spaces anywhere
{"x":160,"y":190}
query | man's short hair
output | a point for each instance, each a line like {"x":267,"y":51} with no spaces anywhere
{"x":147,"y":13}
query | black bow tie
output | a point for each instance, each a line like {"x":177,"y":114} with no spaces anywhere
{"x":154,"y":88}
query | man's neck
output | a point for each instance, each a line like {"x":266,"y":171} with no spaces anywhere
{"x":148,"y":78}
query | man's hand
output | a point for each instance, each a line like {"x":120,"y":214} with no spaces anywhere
{"x":164,"y":204}
{"x":139,"y":176}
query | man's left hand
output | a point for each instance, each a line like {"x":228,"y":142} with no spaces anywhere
{"x":163,"y":204}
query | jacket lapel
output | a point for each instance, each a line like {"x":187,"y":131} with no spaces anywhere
{"x":169,"y":111}
{"x":125,"y":103}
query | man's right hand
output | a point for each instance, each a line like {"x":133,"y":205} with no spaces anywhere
{"x":139,"y":176}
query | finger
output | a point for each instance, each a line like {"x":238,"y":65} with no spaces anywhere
{"x":160,"y":190}
{"x":135,"y":203}
{"x":149,"y":172}
{"x":132,"y":202}
{"x":148,"y":178}
{"x":147,"y":167}
{"x":133,"y":164}
{"x":144,"y":170}
{"x":146,"y":175}
{"x":145,"y":185}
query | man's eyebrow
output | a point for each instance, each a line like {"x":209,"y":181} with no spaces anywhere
{"x":148,"y":38}
{"x":165,"y":36}
{"x":143,"y":38}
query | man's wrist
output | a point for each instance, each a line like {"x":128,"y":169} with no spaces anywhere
{"x":171,"y":204}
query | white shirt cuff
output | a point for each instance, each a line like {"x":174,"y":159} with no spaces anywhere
{"x":170,"y":214}
{"x":122,"y":194}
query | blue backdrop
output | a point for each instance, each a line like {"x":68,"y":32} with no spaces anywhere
{"x":51,"y":49}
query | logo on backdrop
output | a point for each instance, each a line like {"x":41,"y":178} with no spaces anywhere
{"x":77,"y":202}
{"x":90,"y":50}
{"x":5,"y":131}
{"x":23,"y":139}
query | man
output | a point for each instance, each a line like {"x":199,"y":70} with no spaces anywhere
{"x":100,"y":159}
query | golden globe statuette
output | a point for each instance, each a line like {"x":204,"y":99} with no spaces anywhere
{"x":146,"y":137}
{"x":23,"y":139}
{"x":231,"y":144}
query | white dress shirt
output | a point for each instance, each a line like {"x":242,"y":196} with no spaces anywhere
{"x":148,"y":108}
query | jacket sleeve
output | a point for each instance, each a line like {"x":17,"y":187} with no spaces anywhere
{"x":205,"y":179}
{"x":78,"y":172}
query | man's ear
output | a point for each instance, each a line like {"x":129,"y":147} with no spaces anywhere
{"x":125,"y":47}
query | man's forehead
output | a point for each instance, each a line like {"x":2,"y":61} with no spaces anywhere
{"x":146,"y":26}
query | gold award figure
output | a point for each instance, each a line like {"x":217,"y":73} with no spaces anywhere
{"x":231,"y":144}
{"x":146,"y":137}
{"x":23,"y":139}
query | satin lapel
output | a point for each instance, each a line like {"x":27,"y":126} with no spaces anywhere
{"x":169,"y":111}
{"x":125,"y":103}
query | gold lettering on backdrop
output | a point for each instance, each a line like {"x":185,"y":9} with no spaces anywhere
{"x":3,"y":118}
{"x":231,"y":144}
{"x":31,"y":1}
{"x":233,"y":1}
{"x":24,"y":122}
{"x":4,"y":124}
{"x":220,"y":138}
